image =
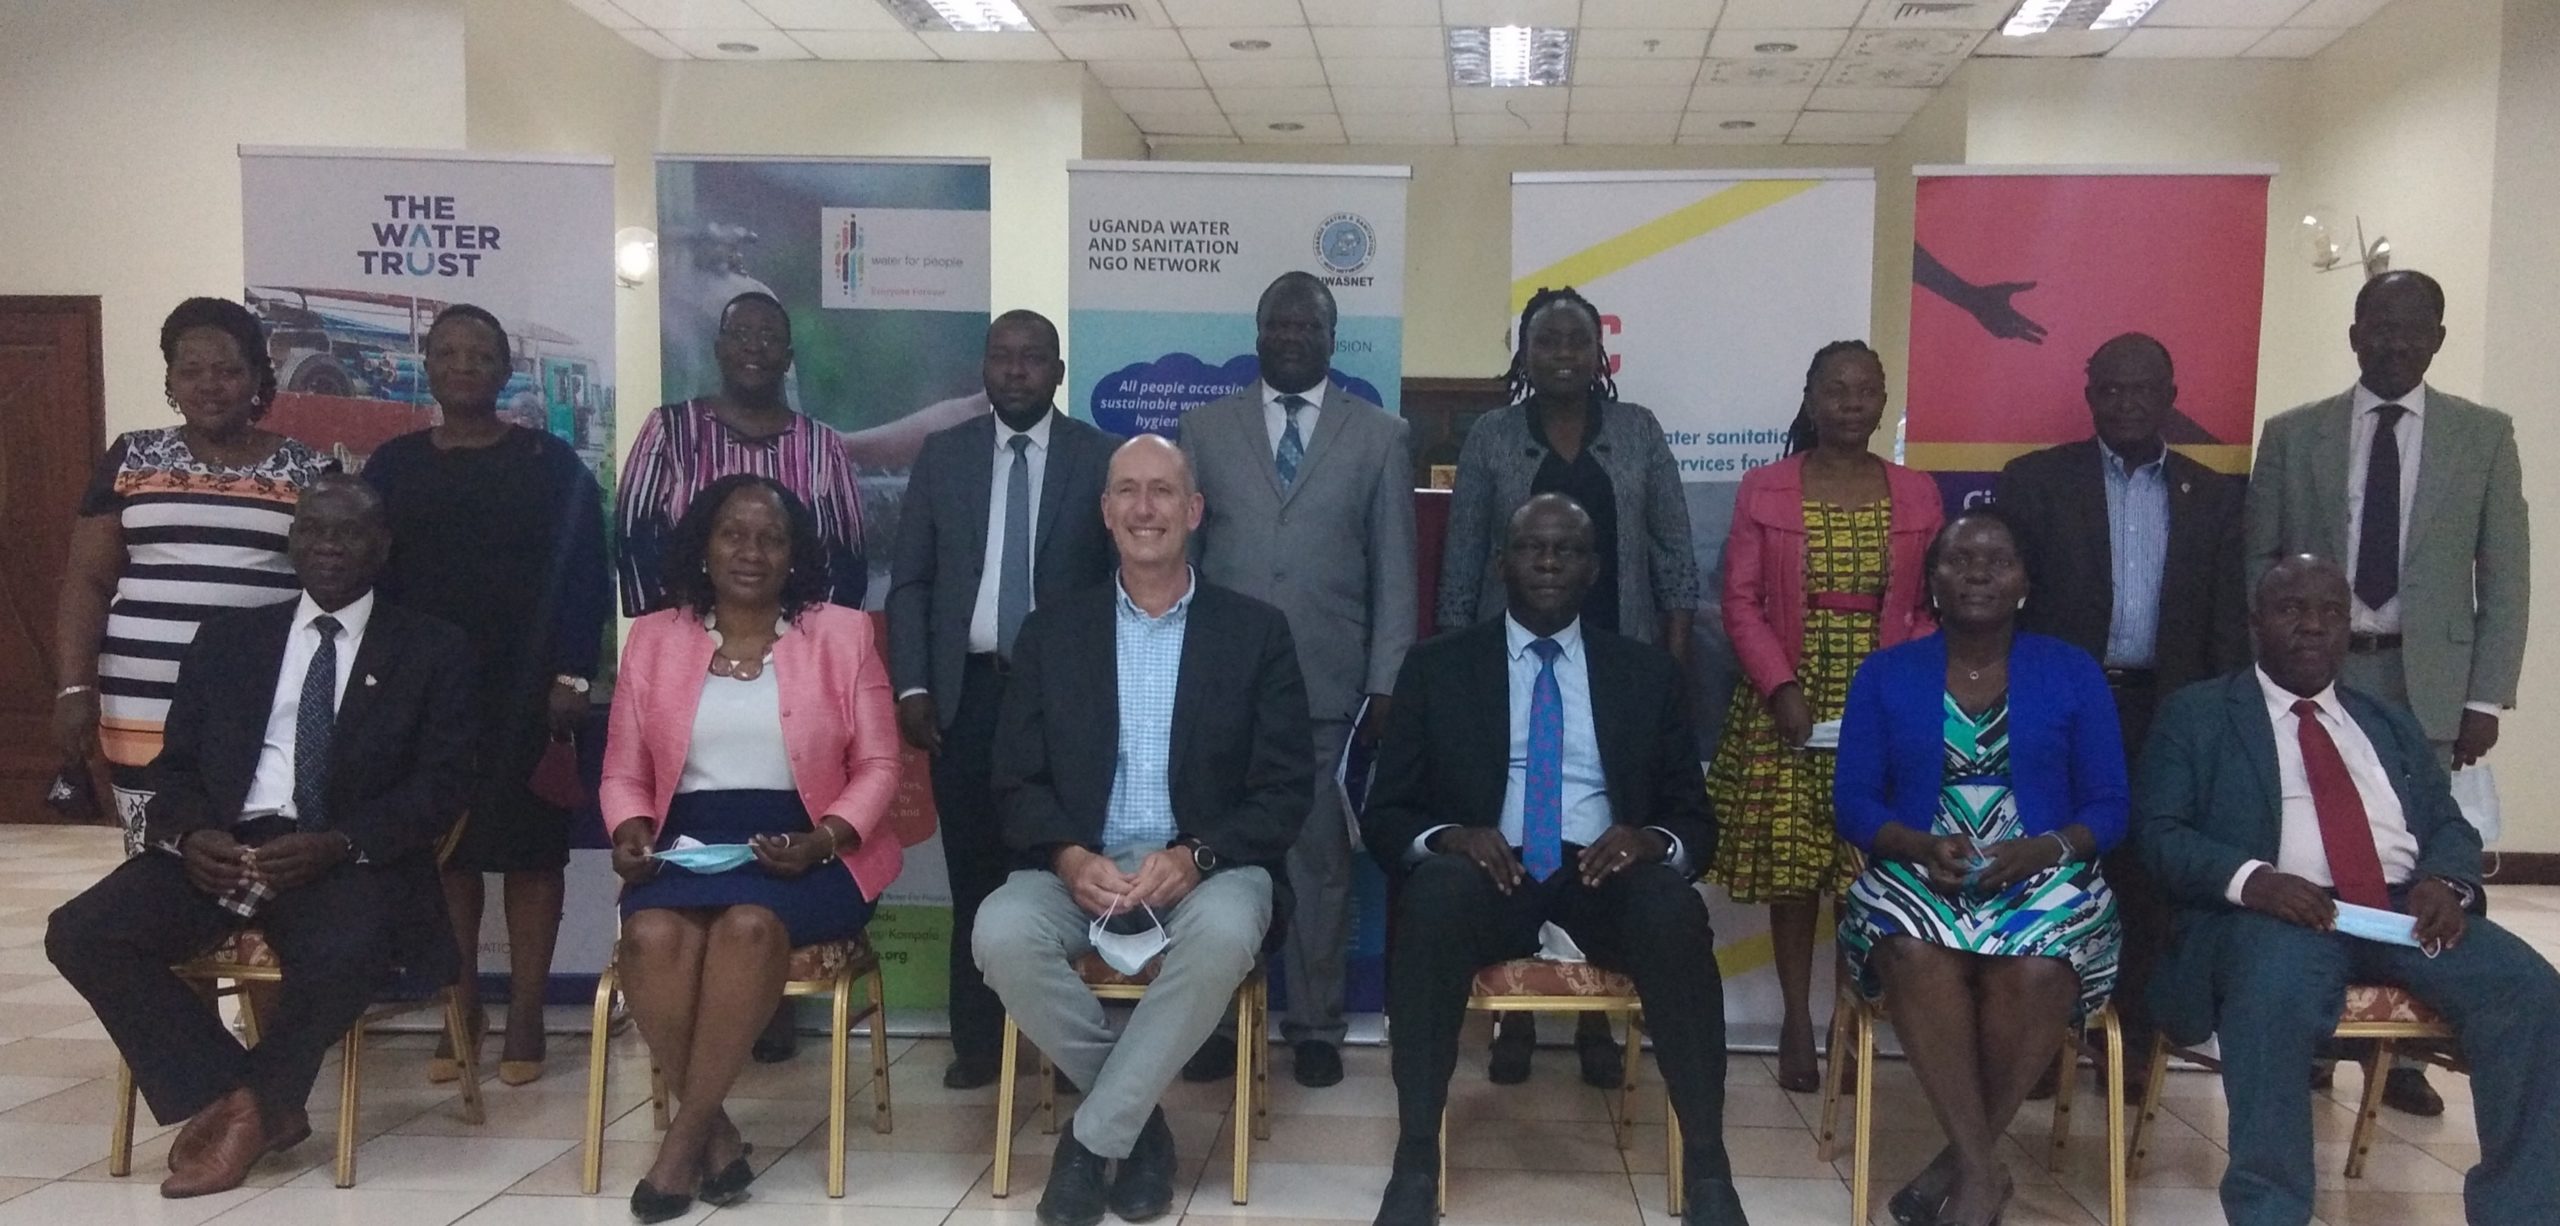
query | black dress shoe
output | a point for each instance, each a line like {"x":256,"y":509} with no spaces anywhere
{"x":1142,"y":1189}
{"x":1909,"y":1208}
{"x":728,"y":1185}
{"x":1512,"y":1045}
{"x":1602,"y":1063}
{"x":1074,"y":1196}
{"x":1215,"y":1061}
{"x":651,"y":1205}
{"x":1713,"y":1202}
{"x":1319,"y":1063}
{"x":1412,"y":1199}
{"x":2406,"y":1091}
{"x":968,"y":1074}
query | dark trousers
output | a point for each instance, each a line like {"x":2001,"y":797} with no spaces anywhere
{"x":2140,"y":904}
{"x":116,"y":941}
{"x":973,"y":851}
{"x":2280,"y":988}
{"x":1646,"y":921}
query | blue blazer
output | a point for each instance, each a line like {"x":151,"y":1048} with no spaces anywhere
{"x":2066,"y":757}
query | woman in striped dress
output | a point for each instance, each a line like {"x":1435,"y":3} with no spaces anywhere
{"x":1981,"y":771}
{"x":180,"y":523}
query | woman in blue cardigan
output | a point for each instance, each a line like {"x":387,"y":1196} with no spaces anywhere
{"x":1981,"y":772}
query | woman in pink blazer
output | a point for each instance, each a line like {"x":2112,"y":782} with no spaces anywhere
{"x":1822,"y":568}
{"x":754,"y":718}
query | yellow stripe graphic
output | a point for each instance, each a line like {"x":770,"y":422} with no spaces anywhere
{"x":2232,"y":458}
{"x":1660,"y":234}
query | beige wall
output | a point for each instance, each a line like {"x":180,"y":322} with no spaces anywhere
{"x":122,"y":124}
{"x":1108,"y":134}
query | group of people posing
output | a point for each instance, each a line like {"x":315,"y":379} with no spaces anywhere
{"x":2129,"y":734}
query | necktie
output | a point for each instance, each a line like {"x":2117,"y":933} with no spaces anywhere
{"x":2378,"y":542}
{"x":312,"y":723}
{"x":1292,"y":447}
{"x":2355,"y":869}
{"x":1013,"y":576}
{"x":1542,"y":802}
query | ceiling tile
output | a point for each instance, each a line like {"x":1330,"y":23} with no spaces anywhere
{"x":656,"y":44}
{"x":1937,"y":14}
{"x":2245,"y":13}
{"x":1218,"y":42}
{"x":768,"y":44}
{"x":863,"y":45}
{"x":1791,"y":14}
{"x":1278,"y":100}
{"x":693,"y":14}
{"x":1772,"y":124}
{"x":1261,"y":74}
{"x":1158,"y":142}
{"x":1166,"y":101}
{"x":1544,"y":128}
{"x":2145,"y":43}
{"x":1751,"y":137}
{"x":607,"y":15}
{"x":1634,"y":72}
{"x":1762,"y":70}
{"x":1907,"y":44}
{"x":1896,"y":73}
{"x":2336,"y":14}
{"x":1121,"y":45}
{"x":1357,"y":100}
{"x":1182,"y":125}
{"x":2293,"y":43}
{"x":1808,"y":44}
{"x":827,"y":14}
{"x":1829,"y":125}
{"x":1658,"y":14}
{"x":1854,"y":98}
{"x":1379,"y":73}
{"x":1788,"y":98}
{"x":1233,"y":12}
{"x":1840,"y":140}
{"x":1380,"y":42}
{"x":1642,"y":43}
{"x":988,"y":45}
{"x":1621,"y":99}
{"x":1525,"y":100}
{"x":1511,"y":12}
{"x":1372,"y":12}
{"x":1143,"y":74}
{"x":1314,"y":128}
{"x":1621,"y":128}
{"x":1399,"y":129}
{"x":2060,"y":44}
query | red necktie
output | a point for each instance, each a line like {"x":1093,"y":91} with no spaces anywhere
{"x":2354,"y":868}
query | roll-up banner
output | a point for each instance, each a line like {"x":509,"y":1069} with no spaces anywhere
{"x":882,"y":265}
{"x":2020,"y":273}
{"x":1714,"y":290}
{"x":1167,"y":259}
{"x":350,"y":254}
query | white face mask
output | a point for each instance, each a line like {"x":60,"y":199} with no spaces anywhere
{"x":1128,"y":952}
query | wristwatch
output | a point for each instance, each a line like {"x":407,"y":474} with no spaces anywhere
{"x":1202,"y":858}
{"x":580,"y":684}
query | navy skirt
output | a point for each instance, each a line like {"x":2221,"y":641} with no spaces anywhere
{"x":820,"y":905}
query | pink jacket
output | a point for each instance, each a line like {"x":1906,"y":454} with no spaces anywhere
{"x":837,"y":721}
{"x":1764,"y":596}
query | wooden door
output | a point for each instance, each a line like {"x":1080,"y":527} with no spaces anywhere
{"x":52,"y":422}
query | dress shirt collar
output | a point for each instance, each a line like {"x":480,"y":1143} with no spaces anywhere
{"x":1039,"y":432}
{"x":2366,"y":401}
{"x":1181,"y":608}
{"x":2118,"y":465}
{"x":1516,"y":639}
{"x":351,"y":620}
{"x":1314,"y":396}
{"x":2280,"y":700}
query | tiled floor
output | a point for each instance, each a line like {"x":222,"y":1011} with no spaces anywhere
{"x":1536,"y":1153}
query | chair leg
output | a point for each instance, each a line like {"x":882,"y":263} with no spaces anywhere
{"x":1626,"y":1113}
{"x":2367,"y":1120}
{"x":248,"y":1015}
{"x":1443,"y":1205}
{"x":1865,"y":1024}
{"x":1834,"y":1074}
{"x":1262,"y":1068}
{"x":880,"y":1121}
{"x":1006,"y":1064}
{"x":457,"y":1027}
{"x":1674,"y":1160}
{"x":350,"y":1070}
{"x":1048,"y":1096}
{"x":2066,"y":1081}
{"x":599,"y":1050}
{"x":1249,"y":1056}
{"x":2150,"y":1113}
{"x":2114,"y":1085}
{"x":120,"y":1140}
{"x":839,"y":1079}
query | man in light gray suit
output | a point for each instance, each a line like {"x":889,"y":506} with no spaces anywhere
{"x":1003,"y":514}
{"x":2421,"y":496}
{"x":1310,"y":508}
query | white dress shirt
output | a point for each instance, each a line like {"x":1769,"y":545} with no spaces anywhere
{"x":271,"y":784}
{"x":982,"y":620}
{"x":1275,"y":420}
{"x":2301,"y":850}
{"x":2409,"y":432}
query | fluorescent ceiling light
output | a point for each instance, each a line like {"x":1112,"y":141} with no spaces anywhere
{"x":2038,"y":16}
{"x":1510,"y":55}
{"x":965,"y":16}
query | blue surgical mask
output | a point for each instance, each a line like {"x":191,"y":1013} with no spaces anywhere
{"x":709,"y":857}
{"x":2384,"y":927}
{"x":1129,"y":952}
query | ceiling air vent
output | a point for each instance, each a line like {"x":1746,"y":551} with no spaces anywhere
{"x":1938,"y":14}
{"x":1093,"y":16}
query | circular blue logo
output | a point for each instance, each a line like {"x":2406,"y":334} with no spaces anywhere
{"x":1344,"y":243}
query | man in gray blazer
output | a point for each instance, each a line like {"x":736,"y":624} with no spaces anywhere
{"x":1310,"y":508}
{"x":2421,"y":494}
{"x":1003,"y":514}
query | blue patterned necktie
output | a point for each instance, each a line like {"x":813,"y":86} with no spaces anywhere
{"x":1293,"y":448}
{"x":312,"y":723}
{"x":1542,"y":803}
{"x":1013,"y":576}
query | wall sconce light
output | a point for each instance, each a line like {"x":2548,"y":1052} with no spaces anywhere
{"x":635,"y":256}
{"x":2329,"y":253}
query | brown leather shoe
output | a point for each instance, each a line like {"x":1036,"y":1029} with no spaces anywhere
{"x":290,"y":1128}
{"x":199,"y":1129}
{"x":238,"y":1138}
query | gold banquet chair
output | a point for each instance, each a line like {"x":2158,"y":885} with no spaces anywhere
{"x":1253,"y":1066}
{"x":1854,"y":1020}
{"x":829,"y":969}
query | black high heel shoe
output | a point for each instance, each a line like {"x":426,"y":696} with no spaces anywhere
{"x":648,"y":1204}
{"x":728,"y":1185}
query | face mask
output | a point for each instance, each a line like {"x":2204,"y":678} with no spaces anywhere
{"x":2385,"y":927}
{"x":708,"y":857}
{"x":1128,"y":952}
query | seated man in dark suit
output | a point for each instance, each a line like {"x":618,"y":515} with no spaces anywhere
{"x":1152,"y":766}
{"x":2268,"y":797}
{"x":1536,"y":770}
{"x":314,"y":759}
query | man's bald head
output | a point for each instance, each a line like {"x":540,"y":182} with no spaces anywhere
{"x":2299,"y":617}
